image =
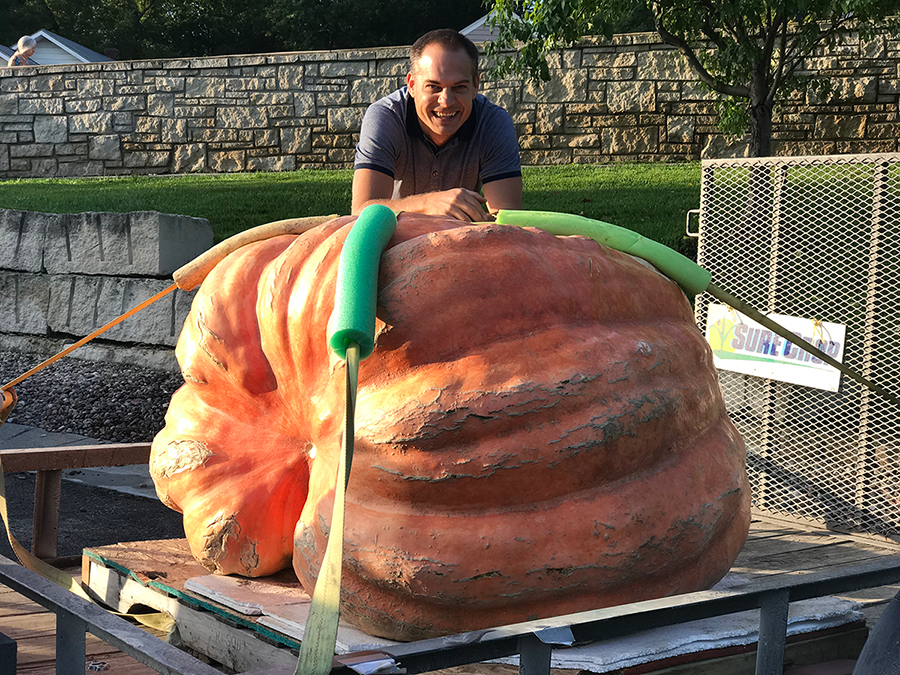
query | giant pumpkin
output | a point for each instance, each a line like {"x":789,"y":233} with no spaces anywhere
{"x":539,"y":429}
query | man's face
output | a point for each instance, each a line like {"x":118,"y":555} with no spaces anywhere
{"x":443,"y":88}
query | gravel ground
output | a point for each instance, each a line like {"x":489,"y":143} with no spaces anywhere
{"x":108,"y":402}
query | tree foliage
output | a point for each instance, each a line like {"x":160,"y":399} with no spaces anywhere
{"x":748,"y":51}
{"x":169,"y":28}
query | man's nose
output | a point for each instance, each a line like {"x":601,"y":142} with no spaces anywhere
{"x":447,"y":98}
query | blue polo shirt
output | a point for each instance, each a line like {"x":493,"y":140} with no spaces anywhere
{"x":391,"y":141}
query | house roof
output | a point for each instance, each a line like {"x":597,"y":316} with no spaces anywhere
{"x":78,"y":53}
{"x":479,"y":31}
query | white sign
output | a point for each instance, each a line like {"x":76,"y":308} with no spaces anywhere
{"x":741,"y":345}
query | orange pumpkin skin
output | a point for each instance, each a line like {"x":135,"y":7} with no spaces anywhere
{"x":539,"y":429}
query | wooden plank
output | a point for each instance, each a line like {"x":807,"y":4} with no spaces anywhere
{"x":223,"y":635}
{"x":74,"y":457}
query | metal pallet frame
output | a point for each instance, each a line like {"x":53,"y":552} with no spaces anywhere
{"x":532,"y":641}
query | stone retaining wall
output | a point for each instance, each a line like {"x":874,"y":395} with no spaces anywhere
{"x":631,"y":98}
{"x":64,"y":276}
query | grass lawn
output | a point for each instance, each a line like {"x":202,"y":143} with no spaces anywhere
{"x":649,"y":198}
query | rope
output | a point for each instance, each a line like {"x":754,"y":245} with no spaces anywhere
{"x":87,"y":338}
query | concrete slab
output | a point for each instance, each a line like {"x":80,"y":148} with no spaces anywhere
{"x":134,"y":480}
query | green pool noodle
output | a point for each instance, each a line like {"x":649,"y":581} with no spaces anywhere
{"x":685,"y":272}
{"x":357,"y":281}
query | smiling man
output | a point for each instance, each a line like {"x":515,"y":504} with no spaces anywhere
{"x":433,"y":145}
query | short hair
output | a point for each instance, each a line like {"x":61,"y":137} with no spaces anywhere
{"x":26,"y":42}
{"x":450,"y":40}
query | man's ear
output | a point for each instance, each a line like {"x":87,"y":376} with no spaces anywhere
{"x":410,"y":83}
{"x":477,"y":81}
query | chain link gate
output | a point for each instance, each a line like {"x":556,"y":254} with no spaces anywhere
{"x":818,"y":238}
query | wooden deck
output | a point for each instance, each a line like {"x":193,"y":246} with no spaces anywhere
{"x":772,"y":549}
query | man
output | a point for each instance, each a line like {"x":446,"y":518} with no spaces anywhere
{"x":432,"y":145}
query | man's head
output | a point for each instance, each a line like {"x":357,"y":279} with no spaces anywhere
{"x":443,"y":81}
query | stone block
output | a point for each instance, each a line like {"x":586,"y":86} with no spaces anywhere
{"x":31,"y":150}
{"x":161,"y":105}
{"x":150,"y":159}
{"x":22,"y":239}
{"x":41,"y":106}
{"x":226,"y":161}
{"x":296,"y":140}
{"x":549,"y":119}
{"x":105,"y":147}
{"x":716,"y":146}
{"x":344,"y":69}
{"x":95,"y":87}
{"x":189,"y":158}
{"x":80,"y":304}
{"x":564,"y":86}
{"x":272,"y":163}
{"x":368,"y":90}
{"x":204,"y":87}
{"x":290,"y":77}
{"x":663,"y":65}
{"x":305,"y":104}
{"x":345,"y":120}
{"x":79,"y":169}
{"x":505,"y":97}
{"x":630,"y":141}
{"x":170,"y":84}
{"x":174,"y":130}
{"x":277,"y":100}
{"x":840,"y":127}
{"x":51,"y":129}
{"x":595,"y":59}
{"x":341,"y":156}
{"x":140,"y":243}
{"x":9,"y":104}
{"x":392,"y":67}
{"x":329,"y":99}
{"x":91,"y":123}
{"x":234,"y":117}
{"x":265,"y":138}
{"x":147,"y":125}
{"x":680,"y":129}
{"x":24,"y":302}
{"x":125,"y":103}
{"x":638,"y":96}
{"x":83,"y":106}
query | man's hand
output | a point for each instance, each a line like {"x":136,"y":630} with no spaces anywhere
{"x":374,"y":187}
{"x":457,"y":203}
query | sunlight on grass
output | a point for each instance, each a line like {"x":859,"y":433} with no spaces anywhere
{"x":649,"y":198}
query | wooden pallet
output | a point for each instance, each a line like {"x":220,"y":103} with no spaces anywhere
{"x":154,"y":573}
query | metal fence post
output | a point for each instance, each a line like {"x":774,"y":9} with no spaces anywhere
{"x":773,"y":616}
{"x":534,"y":656}
{"x":70,"y":643}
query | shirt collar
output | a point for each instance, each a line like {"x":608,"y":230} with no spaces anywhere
{"x":414,"y":129}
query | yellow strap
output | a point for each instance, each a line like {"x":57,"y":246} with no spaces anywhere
{"x":158,"y":620}
{"x":320,"y":636}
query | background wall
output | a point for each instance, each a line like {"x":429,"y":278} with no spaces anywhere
{"x":630,"y":98}
{"x":64,"y":276}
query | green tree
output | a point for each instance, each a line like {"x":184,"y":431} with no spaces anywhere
{"x":748,"y":51}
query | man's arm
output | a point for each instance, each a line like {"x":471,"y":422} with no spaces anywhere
{"x":374,"y":187}
{"x":505,"y":193}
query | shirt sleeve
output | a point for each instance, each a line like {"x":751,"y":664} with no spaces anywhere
{"x":380,"y":139}
{"x":501,"y":157}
